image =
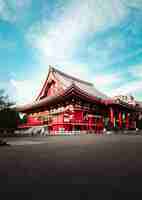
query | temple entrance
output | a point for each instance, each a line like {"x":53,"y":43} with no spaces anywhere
{"x":77,"y":128}
{"x":95,"y":124}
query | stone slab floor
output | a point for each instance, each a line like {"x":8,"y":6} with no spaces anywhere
{"x":109,"y":162}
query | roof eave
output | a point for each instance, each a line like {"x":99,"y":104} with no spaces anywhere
{"x":70,"y":91}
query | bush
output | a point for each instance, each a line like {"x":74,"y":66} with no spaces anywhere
{"x":9,"y":118}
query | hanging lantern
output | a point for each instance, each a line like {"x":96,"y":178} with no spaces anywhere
{"x":123,"y":116}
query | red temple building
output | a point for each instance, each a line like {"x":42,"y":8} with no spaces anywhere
{"x":68,"y":104}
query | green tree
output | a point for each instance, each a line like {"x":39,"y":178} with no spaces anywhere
{"x":9,"y":118}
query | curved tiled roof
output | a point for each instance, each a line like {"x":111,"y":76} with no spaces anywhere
{"x":87,"y":87}
{"x":47,"y":101}
{"x":66,"y":82}
{"x":71,"y":85}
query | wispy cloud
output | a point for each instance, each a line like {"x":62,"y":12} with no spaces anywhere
{"x":11,"y":10}
{"x":107,"y":80}
{"x":121,"y":83}
{"x":136,"y":71}
{"x":77,"y":70}
{"x":132,"y":87}
{"x":24,"y":90}
{"x":57,"y":42}
{"x":133,"y":3}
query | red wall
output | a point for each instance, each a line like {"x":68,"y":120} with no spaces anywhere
{"x":33,"y":121}
{"x":78,"y":116}
{"x":57,"y":122}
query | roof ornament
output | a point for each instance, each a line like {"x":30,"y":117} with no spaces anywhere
{"x":51,"y":68}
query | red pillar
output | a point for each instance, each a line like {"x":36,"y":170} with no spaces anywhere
{"x":120,"y":119}
{"x":127,"y":120}
{"x":90,"y":123}
{"x":112,"y":117}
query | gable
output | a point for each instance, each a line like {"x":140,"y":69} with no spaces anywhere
{"x":51,"y":87}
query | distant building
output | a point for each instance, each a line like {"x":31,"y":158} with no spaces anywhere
{"x":68,"y":104}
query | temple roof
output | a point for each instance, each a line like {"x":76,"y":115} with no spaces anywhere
{"x":66,"y":81}
{"x":51,"y":100}
{"x":66,"y":85}
{"x":87,"y":87}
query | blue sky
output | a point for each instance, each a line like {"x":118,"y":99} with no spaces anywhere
{"x":96,"y":40}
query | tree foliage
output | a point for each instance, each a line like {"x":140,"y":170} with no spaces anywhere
{"x":9,"y":118}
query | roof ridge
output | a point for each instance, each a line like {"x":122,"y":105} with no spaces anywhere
{"x":70,"y":77}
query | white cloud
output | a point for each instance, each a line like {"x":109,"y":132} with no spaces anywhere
{"x":105,"y":59}
{"x":106,"y":80}
{"x":24,"y":91}
{"x":57,"y":42}
{"x":127,"y":57}
{"x":77,"y":70}
{"x":11,"y":10}
{"x":132,"y":87}
{"x":4,"y":11}
{"x":107,"y":83}
{"x":27,"y":90}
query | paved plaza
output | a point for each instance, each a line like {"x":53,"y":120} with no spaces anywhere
{"x":109,"y":161}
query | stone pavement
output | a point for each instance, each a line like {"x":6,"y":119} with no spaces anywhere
{"x":109,"y":161}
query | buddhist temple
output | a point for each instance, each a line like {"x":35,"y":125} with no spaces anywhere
{"x":66,"y":103}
